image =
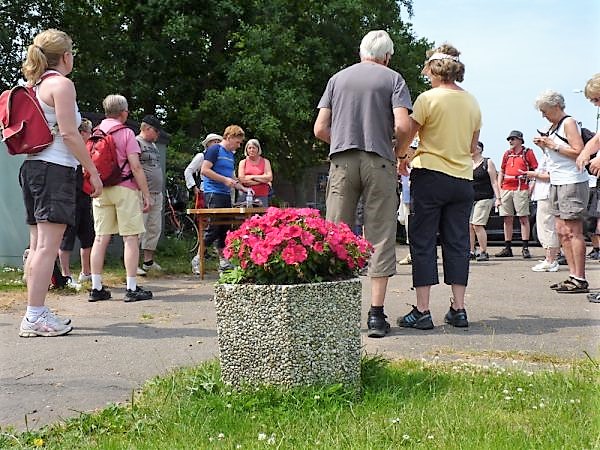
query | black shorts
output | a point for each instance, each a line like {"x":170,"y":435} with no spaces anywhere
{"x":83,"y":228}
{"x":48,"y":192}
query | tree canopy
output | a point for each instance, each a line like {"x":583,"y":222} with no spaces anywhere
{"x":201,"y":65}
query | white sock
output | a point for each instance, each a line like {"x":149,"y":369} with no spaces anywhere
{"x":96,"y":281}
{"x":33,"y":312}
{"x":132,"y":283}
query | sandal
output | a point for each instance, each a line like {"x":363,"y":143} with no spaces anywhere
{"x":573,"y":286}
{"x":594,"y":297}
{"x":557,"y":286}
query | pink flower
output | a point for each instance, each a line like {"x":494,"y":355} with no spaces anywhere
{"x":293,"y":254}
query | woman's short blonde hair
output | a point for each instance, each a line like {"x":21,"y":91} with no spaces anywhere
{"x":114,"y":104}
{"x":549,"y":99}
{"x":592,"y":87}
{"x":446,"y":69}
{"x":255,"y":143}
{"x":85,"y":125}
{"x":47,"y":49}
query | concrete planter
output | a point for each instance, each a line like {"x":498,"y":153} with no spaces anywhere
{"x":289,"y":335}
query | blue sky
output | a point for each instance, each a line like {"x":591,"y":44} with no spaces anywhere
{"x":513,"y":50}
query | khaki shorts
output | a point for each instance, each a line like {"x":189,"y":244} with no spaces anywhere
{"x":514,"y":203}
{"x":569,"y":201}
{"x":153,"y":222}
{"x":118,"y":210}
{"x":481,"y":211}
{"x":348,"y":172}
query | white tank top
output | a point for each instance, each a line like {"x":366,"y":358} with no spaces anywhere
{"x":57,"y":152}
{"x":563,"y":170}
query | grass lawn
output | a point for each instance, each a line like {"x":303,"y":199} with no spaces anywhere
{"x":404,"y":404}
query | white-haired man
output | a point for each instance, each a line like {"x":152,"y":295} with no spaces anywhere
{"x":364,"y":106}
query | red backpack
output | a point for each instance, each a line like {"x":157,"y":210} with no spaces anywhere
{"x":103,"y":151}
{"x":24,"y":125}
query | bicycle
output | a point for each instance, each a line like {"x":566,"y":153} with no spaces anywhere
{"x":178,"y":224}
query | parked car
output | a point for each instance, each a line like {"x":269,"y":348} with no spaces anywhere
{"x":495,"y":226}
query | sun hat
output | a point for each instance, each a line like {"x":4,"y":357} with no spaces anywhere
{"x":515,"y":133}
{"x":211,"y":137}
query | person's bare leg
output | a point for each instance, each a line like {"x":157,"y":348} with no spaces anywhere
{"x":508,"y":228}
{"x":378,"y":290}
{"x":525,"y":228}
{"x":458,"y":294}
{"x":423,"y":293}
{"x":131,"y":254}
{"x":481,"y":237}
{"x":85,"y":255}
{"x":64,"y":257}
{"x":41,"y":263}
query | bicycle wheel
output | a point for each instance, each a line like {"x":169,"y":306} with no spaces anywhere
{"x":181,"y":227}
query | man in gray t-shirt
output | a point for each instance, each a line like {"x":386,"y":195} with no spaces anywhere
{"x":364,"y":106}
{"x":150,"y":159}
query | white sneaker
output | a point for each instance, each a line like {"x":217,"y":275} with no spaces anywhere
{"x":546,"y":266}
{"x":140,"y":272}
{"x":224,"y":264}
{"x":63,"y":320}
{"x":72,"y":284}
{"x":46,"y":325}
{"x":83,"y":278}
{"x":196,"y":265}
{"x":153,"y":266}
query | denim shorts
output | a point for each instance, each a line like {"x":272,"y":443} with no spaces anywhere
{"x":48,"y":192}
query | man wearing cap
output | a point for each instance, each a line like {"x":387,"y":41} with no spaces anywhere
{"x":514,"y":191}
{"x":150,"y":160}
{"x":192,"y":171}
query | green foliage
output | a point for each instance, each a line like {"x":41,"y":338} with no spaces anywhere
{"x":201,"y":65}
{"x":401,"y":404}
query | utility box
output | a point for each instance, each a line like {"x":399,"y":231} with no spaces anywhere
{"x":14,"y":232}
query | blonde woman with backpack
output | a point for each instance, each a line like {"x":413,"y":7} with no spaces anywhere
{"x":48,"y":178}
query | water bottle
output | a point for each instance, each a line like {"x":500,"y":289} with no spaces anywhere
{"x":249,"y":198}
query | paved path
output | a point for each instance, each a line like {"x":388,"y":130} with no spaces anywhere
{"x":115,"y":347}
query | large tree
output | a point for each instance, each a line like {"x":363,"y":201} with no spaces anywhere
{"x":200,"y":65}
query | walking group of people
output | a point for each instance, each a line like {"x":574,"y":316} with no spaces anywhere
{"x":364,"y":107}
{"x":367,"y":117}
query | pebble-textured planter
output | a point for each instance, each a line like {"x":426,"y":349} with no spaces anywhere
{"x":289,"y":335}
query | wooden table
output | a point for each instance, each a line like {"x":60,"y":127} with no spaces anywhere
{"x":219,"y":216}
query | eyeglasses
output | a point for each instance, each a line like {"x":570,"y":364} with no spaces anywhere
{"x":512,"y":138}
{"x":595,"y":99}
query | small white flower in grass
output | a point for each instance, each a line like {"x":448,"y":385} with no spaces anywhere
{"x":238,"y":446}
{"x":519,"y":389}
{"x":481,"y":396}
{"x":534,"y":407}
{"x":430,"y":436}
{"x":262,"y":436}
{"x":228,"y":405}
{"x":529,"y":373}
{"x":405,"y":437}
{"x":542,"y":405}
{"x":210,"y":439}
{"x":317,"y":397}
{"x":395,"y":420}
{"x":271,"y":439}
{"x":505,"y":391}
{"x":530,"y":385}
{"x":572,"y":402}
{"x":220,"y":436}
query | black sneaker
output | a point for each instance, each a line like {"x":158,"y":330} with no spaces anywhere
{"x":526,"y":254}
{"x":416,"y":319}
{"x":594,"y":254}
{"x":561,"y":260}
{"x":137,"y":295}
{"x":96,"y":295}
{"x":456,"y":318}
{"x":506,"y":252}
{"x":377,"y":325}
{"x":483,"y":256}
{"x":472,"y":256}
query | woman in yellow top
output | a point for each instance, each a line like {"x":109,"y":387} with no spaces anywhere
{"x":448,"y":120}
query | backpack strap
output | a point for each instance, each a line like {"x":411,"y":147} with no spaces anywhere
{"x":555,"y":131}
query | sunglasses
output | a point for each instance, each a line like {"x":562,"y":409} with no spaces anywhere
{"x":595,"y":99}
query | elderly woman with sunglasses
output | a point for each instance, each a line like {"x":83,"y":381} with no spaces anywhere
{"x":448,"y":120}
{"x":569,"y":189}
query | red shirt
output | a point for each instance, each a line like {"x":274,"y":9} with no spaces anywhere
{"x":513,"y":162}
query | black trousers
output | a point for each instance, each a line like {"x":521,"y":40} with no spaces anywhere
{"x":440,"y":204}
{"x":216,"y":233}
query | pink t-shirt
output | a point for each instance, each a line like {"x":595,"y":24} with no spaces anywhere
{"x":126,"y":144}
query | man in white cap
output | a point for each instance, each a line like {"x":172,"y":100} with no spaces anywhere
{"x":192,"y":171}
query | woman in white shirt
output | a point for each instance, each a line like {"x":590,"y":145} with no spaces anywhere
{"x":569,"y":189}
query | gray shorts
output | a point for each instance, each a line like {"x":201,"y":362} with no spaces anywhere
{"x":594,"y":203}
{"x":355,"y":172}
{"x":569,"y":201}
